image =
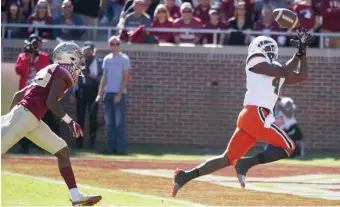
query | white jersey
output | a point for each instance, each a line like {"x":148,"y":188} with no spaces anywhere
{"x":262,"y":90}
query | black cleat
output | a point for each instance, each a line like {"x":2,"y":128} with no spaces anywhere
{"x":180,"y":179}
{"x":242,"y":166}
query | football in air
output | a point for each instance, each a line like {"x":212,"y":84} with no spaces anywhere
{"x":286,"y":18}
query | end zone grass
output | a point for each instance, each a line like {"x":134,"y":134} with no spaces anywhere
{"x":43,"y":192}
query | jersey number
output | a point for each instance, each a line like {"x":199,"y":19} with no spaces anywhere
{"x":276,"y":84}
{"x":42,"y":78}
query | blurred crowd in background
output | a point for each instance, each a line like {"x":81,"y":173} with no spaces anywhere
{"x":234,"y":15}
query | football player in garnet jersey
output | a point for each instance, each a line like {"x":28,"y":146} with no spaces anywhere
{"x":255,"y":122}
{"x":30,"y":104}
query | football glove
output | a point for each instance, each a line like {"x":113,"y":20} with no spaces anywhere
{"x":304,"y":39}
{"x":75,"y":129}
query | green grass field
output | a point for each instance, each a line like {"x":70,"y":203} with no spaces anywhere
{"x":42,"y":192}
{"x":35,"y":181}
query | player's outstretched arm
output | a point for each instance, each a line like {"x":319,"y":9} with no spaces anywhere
{"x":296,"y":77}
{"x":274,"y":70}
{"x":18,"y":96}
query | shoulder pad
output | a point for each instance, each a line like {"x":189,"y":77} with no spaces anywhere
{"x":256,"y":58}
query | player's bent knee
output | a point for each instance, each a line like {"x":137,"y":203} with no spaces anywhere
{"x":229,"y":159}
{"x":63,"y":154}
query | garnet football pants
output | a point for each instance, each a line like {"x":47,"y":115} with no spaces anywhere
{"x":250,"y":128}
{"x":20,"y":122}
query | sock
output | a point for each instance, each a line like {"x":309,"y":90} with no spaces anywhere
{"x":271,"y":154}
{"x":74,"y":193}
{"x":209,"y":166}
{"x":68,"y":175}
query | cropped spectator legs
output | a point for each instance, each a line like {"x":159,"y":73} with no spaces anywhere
{"x":114,"y":115}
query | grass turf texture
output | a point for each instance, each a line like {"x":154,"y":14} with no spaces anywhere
{"x":104,"y":173}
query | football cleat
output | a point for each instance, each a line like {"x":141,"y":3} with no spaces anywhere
{"x":242,"y":180}
{"x":242,"y":166}
{"x":86,"y":200}
{"x":179,"y":180}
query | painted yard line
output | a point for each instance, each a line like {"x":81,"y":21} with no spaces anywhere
{"x":49,"y":180}
{"x":321,"y":179}
{"x":300,"y":189}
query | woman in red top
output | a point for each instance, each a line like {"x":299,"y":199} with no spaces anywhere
{"x":42,"y":15}
{"x":162,"y":19}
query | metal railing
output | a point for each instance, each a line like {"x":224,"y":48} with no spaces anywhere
{"x":109,"y":30}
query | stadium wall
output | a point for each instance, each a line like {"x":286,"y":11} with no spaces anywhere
{"x":192,"y":95}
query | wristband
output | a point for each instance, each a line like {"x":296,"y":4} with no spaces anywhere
{"x":67,"y":119}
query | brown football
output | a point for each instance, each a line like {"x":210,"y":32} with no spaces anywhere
{"x":286,"y":18}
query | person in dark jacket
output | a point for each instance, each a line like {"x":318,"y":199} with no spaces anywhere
{"x":84,"y":94}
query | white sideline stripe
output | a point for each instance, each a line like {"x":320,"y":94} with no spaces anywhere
{"x":311,"y":178}
{"x":49,"y":180}
{"x":305,"y":189}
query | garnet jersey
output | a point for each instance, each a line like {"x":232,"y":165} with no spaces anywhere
{"x":37,"y":92}
{"x":262,"y":90}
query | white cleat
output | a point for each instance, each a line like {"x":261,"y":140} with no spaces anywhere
{"x":86,"y":200}
{"x":242,"y":180}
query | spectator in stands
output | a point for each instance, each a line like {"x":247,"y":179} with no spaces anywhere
{"x":228,"y":9}
{"x":330,"y":12}
{"x":69,"y":18}
{"x":27,"y":65}
{"x":26,"y":8}
{"x":89,"y":11}
{"x":116,"y":66}
{"x":162,"y":19}
{"x":267,"y":24}
{"x":307,"y":17}
{"x":41,"y":16}
{"x":55,"y":6}
{"x":86,"y":92}
{"x":214,"y":23}
{"x":239,"y":23}
{"x":202,"y":10}
{"x":172,"y":8}
{"x":187,"y":21}
{"x":114,"y":7}
{"x":150,"y":6}
{"x":136,"y":18}
{"x":275,"y":4}
{"x":14,"y":16}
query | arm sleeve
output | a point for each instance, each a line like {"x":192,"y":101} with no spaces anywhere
{"x":256,"y":58}
{"x":20,"y":65}
{"x":104,"y":65}
{"x":126,"y":63}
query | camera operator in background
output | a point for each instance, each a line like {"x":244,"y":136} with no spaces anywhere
{"x":27,"y":65}
{"x":85,"y":93}
{"x":284,"y":112}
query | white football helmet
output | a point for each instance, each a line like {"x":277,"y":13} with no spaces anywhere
{"x":70,"y":53}
{"x":265,"y":45}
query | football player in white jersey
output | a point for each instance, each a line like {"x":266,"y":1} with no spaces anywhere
{"x":255,"y":122}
